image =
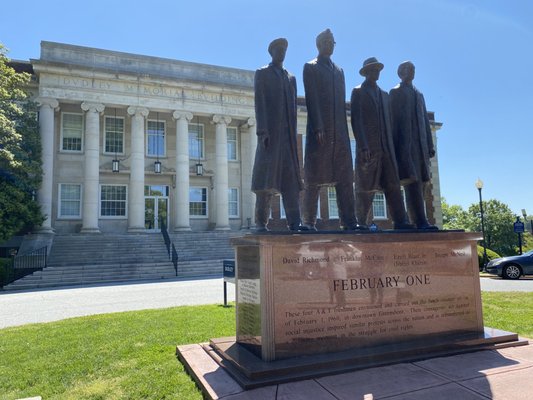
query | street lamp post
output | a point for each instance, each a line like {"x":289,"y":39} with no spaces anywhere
{"x":479,"y":186}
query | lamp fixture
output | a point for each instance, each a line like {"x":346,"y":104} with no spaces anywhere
{"x":157,"y":163}
{"x":199,"y":165}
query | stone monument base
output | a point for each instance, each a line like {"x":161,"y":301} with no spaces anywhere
{"x":315,"y":304}
{"x":249,"y":371}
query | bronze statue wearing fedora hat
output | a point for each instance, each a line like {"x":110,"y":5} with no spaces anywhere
{"x":375,"y":161}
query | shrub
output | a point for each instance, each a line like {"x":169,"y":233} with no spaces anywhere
{"x":6,"y":273}
{"x":491,"y":255}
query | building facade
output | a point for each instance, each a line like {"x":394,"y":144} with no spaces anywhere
{"x":131,"y":142}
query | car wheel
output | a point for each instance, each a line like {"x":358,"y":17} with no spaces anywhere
{"x":511,"y":271}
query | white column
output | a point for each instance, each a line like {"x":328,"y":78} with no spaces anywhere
{"x":181,"y":194}
{"x":136,"y":189}
{"x":221,"y":174}
{"x":46,"y":130}
{"x":92,"y":167}
{"x":249,"y":143}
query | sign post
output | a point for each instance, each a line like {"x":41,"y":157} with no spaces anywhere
{"x":518,"y":227}
{"x":228,"y":272}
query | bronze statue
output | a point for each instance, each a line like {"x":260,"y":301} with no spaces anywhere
{"x":276,"y":168}
{"x":413,"y":143}
{"x":375,"y":161}
{"x":328,"y":157}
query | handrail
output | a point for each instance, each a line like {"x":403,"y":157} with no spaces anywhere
{"x":166,"y":238}
{"x":35,"y":259}
{"x":175,"y":258}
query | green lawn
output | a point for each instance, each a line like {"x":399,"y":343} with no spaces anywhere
{"x":132,"y":355}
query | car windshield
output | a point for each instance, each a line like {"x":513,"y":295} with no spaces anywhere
{"x":529,"y":253}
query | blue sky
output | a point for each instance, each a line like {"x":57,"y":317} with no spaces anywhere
{"x":473,"y":60}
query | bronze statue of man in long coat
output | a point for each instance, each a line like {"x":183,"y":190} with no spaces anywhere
{"x":276,"y":168}
{"x":328,"y":156}
{"x":413,"y":142}
{"x":375,"y":162}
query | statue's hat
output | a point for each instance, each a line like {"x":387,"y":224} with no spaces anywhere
{"x":369,"y":63}
{"x":277,"y":42}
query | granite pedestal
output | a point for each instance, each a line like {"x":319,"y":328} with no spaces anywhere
{"x":313,"y":304}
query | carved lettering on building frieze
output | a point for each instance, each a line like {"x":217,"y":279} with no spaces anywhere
{"x":150,"y":90}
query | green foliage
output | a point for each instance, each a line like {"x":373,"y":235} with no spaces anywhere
{"x":20,"y":153}
{"x":498,"y":218}
{"x":6,"y":273}
{"x":115,"y":356}
{"x":491,"y":255}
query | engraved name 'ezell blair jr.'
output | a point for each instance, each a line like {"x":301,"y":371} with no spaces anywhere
{"x":328,"y":157}
{"x":276,"y":168}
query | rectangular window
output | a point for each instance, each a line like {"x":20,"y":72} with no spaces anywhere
{"x":232,"y":144}
{"x":114,"y":135}
{"x":282,"y":213}
{"x":333,"y":210}
{"x":198,"y":202}
{"x":379,"y":207}
{"x":196,"y":141}
{"x":155,"y":138}
{"x":69,"y":200}
{"x":113,"y":200}
{"x":71,"y":132}
{"x":233,"y":202}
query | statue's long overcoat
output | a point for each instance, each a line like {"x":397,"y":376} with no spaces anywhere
{"x":373,"y":132}
{"x":276,"y":167}
{"x":325,"y":98}
{"x":412,"y":133}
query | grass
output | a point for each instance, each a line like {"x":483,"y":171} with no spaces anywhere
{"x":113,"y":356}
{"x":132,"y":355}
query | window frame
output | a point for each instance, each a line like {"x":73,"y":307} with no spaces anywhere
{"x":237,"y":201}
{"x":61,"y":149}
{"x":236,"y":141}
{"x":380,"y":217}
{"x":194,"y":216}
{"x":202,"y":147}
{"x":104,"y":151}
{"x":60,"y":201}
{"x":331,"y":189}
{"x":100,"y":200}
{"x":147,"y":135}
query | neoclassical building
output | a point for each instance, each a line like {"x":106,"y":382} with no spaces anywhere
{"x":131,"y":142}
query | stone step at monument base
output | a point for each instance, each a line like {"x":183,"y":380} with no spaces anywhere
{"x":250,"y":372}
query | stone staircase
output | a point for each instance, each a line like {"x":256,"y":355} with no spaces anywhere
{"x":89,"y":259}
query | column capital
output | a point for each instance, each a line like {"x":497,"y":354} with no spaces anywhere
{"x":182,"y":114}
{"x":221,"y":119}
{"x":138,"y":111}
{"x":249,"y":123}
{"x":48,"y":101}
{"x":92,"y":107}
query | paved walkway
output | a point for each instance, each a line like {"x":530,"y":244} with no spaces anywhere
{"x":19,"y":308}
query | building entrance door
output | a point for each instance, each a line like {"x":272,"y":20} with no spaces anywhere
{"x":155,"y":207}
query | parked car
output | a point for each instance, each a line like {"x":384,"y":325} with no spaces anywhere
{"x":512,"y":267}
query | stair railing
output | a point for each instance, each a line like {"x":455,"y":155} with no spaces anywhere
{"x":26,"y":264}
{"x":168,"y":244}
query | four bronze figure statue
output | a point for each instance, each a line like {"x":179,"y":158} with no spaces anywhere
{"x":392,"y":133}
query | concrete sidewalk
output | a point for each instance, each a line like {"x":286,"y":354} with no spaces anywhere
{"x":25,"y":307}
{"x":504,"y":374}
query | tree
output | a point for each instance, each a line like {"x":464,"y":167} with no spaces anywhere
{"x":454,"y":217}
{"x":20,"y":153}
{"x":498,"y":219}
